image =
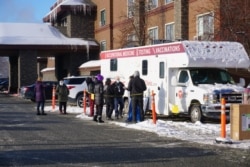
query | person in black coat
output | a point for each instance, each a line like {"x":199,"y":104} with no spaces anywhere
{"x":118,"y":89}
{"x":109,"y":98}
{"x":98,"y":91}
{"x":136,"y":87}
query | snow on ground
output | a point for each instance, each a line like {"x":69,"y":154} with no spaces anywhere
{"x":204,"y":133}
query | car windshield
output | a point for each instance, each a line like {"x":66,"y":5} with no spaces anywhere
{"x":210,"y":76}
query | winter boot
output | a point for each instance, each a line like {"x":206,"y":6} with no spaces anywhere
{"x":95,"y":118}
{"x":43,"y":113}
{"x":100,"y":120}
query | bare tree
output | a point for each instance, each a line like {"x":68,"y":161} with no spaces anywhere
{"x":231,"y":20}
{"x":133,"y":31}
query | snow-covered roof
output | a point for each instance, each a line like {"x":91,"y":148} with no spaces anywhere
{"x":91,"y":63}
{"x":216,"y":54}
{"x":36,"y":34}
{"x":189,"y":54}
{"x":76,"y":6}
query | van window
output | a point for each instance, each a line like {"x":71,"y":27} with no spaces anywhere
{"x":161,"y":70}
{"x":113,"y":64}
{"x":183,"y":77}
{"x":144,"y":67}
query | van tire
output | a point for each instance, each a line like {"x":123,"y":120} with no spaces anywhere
{"x":195,"y":114}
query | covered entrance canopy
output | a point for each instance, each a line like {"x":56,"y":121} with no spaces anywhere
{"x":24,"y":42}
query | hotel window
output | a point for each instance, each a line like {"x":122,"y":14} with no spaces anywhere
{"x":103,"y":45}
{"x":168,"y":1}
{"x":169,"y":32}
{"x":103,"y":17}
{"x":131,"y":38}
{"x":131,"y":8}
{"x":205,"y":26}
{"x":152,"y":4}
{"x":153,"y":34}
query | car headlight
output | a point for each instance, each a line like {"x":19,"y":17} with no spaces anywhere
{"x":210,"y":98}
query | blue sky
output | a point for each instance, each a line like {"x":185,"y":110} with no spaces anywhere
{"x":25,"y":11}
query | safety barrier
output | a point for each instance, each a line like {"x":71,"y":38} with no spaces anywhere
{"x":153,"y":107}
{"x":53,"y":97}
{"x":223,"y":118}
{"x":84,"y":101}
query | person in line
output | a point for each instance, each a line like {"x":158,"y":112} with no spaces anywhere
{"x":130,"y":115}
{"x":40,"y":96}
{"x":109,"y":99}
{"x":91,"y":84}
{"x":136,"y":87}
{"x":62,"y":93}
{"x":98,"y":91}
{"x":118,"y":89}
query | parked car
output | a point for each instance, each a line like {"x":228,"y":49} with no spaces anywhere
{"x":27,"y":92}
{"x":4,"y":85}
{"x":3,"y":79}
{"x":76,"y":86}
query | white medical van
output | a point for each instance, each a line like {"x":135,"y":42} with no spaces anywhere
{"x":187,"y":77}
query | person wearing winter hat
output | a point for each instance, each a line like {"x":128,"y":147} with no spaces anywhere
{"x":99,"y":91}
{"x":62,"y":94}
{"x":136,"y":87}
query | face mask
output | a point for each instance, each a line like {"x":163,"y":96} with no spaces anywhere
{"x":60,"y":83}
{"x":117,"y":81}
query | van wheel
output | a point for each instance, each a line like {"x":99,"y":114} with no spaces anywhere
{"x":195,"y":114}
{"x":126,"y":106}
{"x":79,"y":101}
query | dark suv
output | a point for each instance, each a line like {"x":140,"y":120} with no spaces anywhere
{"x":76,"y":86}
{"x":28,"y":92}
